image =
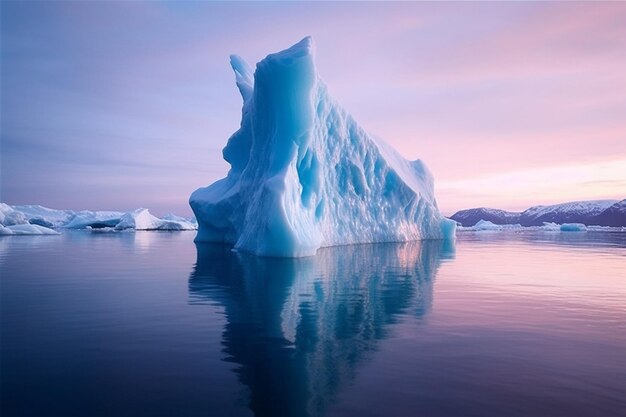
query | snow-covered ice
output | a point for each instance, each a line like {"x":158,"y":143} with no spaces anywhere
{"x":45,"y":216}
{"x":10,"y":216}
{"x":94,"y":219}
{"x":176,"y":218}
{"x":305,"y":175}
{"x":141,"y":219}
{"x":15,"y":222}
{"x":549,"y":227}
{"x":33,"y":219}
{"x":26,"y":229}
{"x":487,"y":225}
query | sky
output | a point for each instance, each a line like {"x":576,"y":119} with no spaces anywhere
{"x":119,"y":105}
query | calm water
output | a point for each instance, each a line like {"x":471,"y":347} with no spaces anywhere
{"x":149,"y":323}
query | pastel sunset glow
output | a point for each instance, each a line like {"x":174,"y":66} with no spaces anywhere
{"x":118,"y":105}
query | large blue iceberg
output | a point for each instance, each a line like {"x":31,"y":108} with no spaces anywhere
{"x":305,"y":175}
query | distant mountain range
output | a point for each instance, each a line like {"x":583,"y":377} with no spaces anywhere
{"x":596,"y":212}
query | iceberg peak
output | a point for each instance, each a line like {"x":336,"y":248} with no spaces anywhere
{"x":305,"y":175}
{"x":244,"y":77}
{"x":306,"y":47}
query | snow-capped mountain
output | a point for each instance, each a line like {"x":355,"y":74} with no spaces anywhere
{"x":572,"y":212}
{"x":470,"y":217}
{"x":594,"y":212}
{"x":615,"y":215}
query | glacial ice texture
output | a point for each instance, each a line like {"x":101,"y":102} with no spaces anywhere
{"x":34,"y":219}
{"x":305,"y":175}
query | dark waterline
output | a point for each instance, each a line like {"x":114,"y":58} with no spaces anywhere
{"x":515,"y":324}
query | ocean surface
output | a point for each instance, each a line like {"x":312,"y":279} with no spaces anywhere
{"x":151,"y":324}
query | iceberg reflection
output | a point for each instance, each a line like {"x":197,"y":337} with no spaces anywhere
{"x":299,"y":328}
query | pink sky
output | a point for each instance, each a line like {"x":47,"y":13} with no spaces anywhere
{"x":121,"y":105}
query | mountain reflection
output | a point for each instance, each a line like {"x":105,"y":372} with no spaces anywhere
{"x":298,"y":328}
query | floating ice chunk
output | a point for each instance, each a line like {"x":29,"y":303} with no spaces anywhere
{"x":140,"y":219}
{"x":173,"y":225}
{"x":551,"y":227}
{"x":38,"y":220}
{"x":9,"y":216}
{"x":14,"y":222}
{"x":26,"y":229}
{"x":573,"y":227}
{"x":45,"y":216}
{"x":176,"y":218}
{"x":486,"y":225}
{"x":107,"y":230}
{"x":182,"y":223}
{"x":606,"y":228}
{"x":305,"y":175}
{"x":94,"y":219}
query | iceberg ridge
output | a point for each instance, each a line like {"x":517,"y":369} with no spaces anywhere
{"x":305,"y":175}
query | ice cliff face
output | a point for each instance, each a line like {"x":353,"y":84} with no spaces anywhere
{"x":305,"y":175}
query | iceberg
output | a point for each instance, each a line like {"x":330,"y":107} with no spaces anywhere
{"x":94,"y":219}
{"x":10,"y":216}
{"x":26,"y":229}
{"x":45,"y":219}
{"x":176,"y":218}
{"x":45,"y":216}
{"x":483,"y":225}
{"x":573,"y":227}
{"x":141,"y":219}
{"x":14,"y":222}
{"x":549,"y":226}
{"x":304,"y":175}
